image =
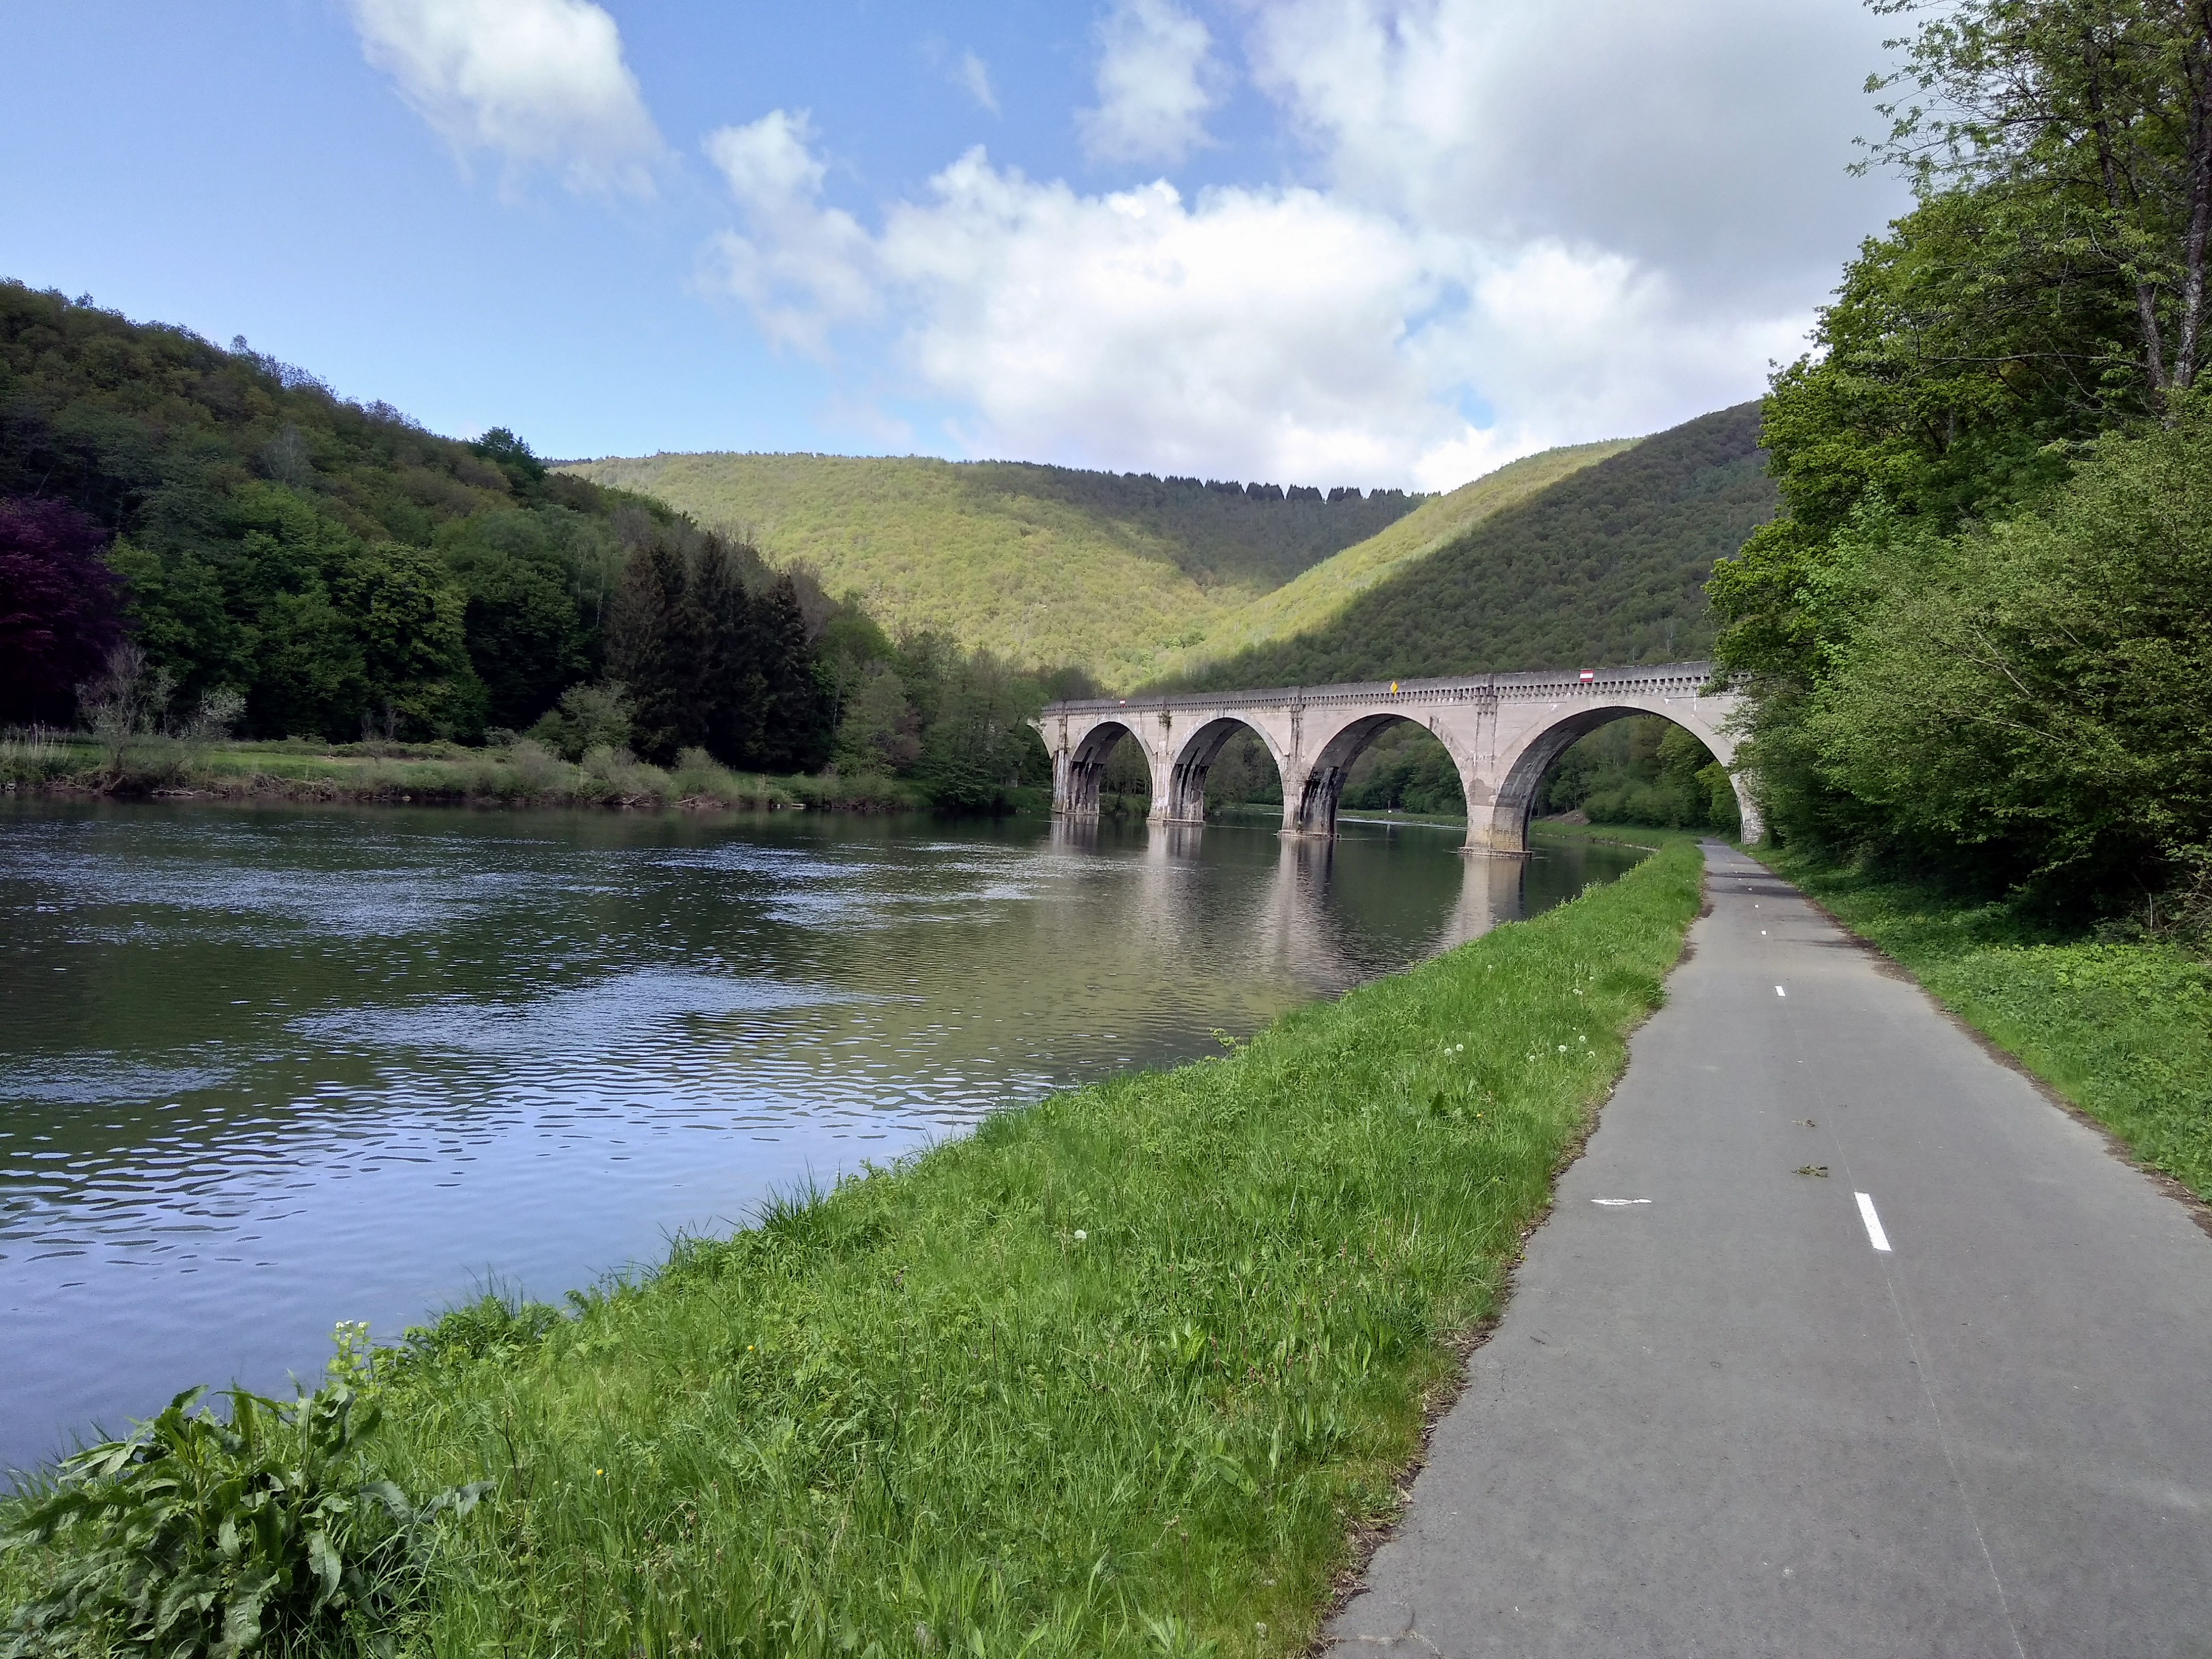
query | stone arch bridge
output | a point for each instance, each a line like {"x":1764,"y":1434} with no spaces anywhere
{"x":1502,"y":731}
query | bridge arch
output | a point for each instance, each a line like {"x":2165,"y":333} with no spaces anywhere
{"x":1514,"y":798}
{"x":1185,"y":802}
{"x":1078,"y":770}
{"x":1321,"y":789}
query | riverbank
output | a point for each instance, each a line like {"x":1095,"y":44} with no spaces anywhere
{"x":1131,"y":1370}
{"x":2122,"y":1030}
{"x":522,"y":774}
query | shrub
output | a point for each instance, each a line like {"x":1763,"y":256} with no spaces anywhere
{"x":200,"y":1536}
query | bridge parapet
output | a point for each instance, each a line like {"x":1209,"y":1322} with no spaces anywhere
{"x":1502,"y":730}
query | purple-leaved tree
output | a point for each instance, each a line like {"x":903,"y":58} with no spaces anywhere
{"x":61,"y":607}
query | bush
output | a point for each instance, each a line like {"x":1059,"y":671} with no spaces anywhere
{"x":200,"y":1536}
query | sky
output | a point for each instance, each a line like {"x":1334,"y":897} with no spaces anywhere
{"x":1368,"y":242}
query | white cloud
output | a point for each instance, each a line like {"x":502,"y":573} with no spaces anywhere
{"x":1706,"y":138}
{"x":974,"y":77}
{"x":803,"y":268}
{"x":1527,"y":225}
{"x":1153,"y":91}
{"x":537,"y":82}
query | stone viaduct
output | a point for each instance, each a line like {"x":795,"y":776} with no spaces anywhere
{"x":1503,"y":731}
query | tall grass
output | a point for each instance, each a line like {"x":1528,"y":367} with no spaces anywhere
{"x":1121,"y":1373}
{"x":524,"y":773}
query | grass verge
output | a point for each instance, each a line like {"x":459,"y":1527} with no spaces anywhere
{"x":523,"y":774}
{"x":2123,"y":1031}
{"x":1123,"y":1372}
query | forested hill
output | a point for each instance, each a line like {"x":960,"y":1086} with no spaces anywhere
{"x":306,"y":565}
{"x":1607,"y":565}
{"x":1046,"y":565}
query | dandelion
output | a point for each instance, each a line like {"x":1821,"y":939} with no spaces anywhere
{"x":1080,"y":1235}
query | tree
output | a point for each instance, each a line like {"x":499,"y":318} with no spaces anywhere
{"x":2086,"y":125}
{"x":655,"y":648}
{"x":409,"y":616}
{"x":2040,"y":689}
{"x":61,"y":607}
{"x":2047,"y":289}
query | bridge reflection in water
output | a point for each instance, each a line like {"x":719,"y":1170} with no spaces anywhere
{"x":1309,"y":915}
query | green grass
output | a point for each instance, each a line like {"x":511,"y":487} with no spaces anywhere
{"x":522,"y":775}
{"x":2123,"y":1031}
{"x":1121,"y":1373}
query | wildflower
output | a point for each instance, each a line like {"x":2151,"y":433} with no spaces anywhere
{"x":1563,"y":1047}
{"x":1080,"y":1235}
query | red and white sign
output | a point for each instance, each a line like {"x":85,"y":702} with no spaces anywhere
{"x":1589,"y":673}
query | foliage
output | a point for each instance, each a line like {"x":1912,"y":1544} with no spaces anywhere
{"x":1040,"y":566}
{"x":1310,"y":601}
{"x":2085,"y":127}
{"x":1643,"y":770}
{"x":1135,"y":1357}
{"x":1243,"y":774}
{"x":60,"y":607}
{"x":342,"y":568}
{"x":2041,"y":303}
{"x":715,"y":653}
{"x":590,"y":717}
{"x":2122,"y":1025}
{"x":2040,"y":689}
{"x":1406,"y":770}
{"x":953,"y":721}
{"x":196,"y":1536}
{"x":1605,"y":566}
{"x":324,"y":557}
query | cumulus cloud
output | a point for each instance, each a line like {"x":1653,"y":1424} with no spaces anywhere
{"x":1276,"y":332}
{"x":1705,"y":138}
{"x":1153,"y":84}
{"x":1525,"y":227}
{"x":536,"y":82}
{"x":803,"y":268}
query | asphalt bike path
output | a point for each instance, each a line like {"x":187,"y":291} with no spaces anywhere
{"x":1950,"y":1397}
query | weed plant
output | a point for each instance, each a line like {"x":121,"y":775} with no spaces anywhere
{"x":1122,"y":1373}
{"x":2121,"y":1028}
{"x":203,"y":1534}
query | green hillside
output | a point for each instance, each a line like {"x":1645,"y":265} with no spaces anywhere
{"x":1607,"y":564}
{"x":1317,"y":596}
{"x":1045,"y":565}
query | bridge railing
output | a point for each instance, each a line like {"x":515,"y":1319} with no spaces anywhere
{"x":1675,"y":679}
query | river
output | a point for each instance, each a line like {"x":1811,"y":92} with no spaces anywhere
{"x":264,"y":1069}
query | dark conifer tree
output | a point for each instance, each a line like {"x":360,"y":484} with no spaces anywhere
{"x":732,"y":694}
{"x":800,"y":718}
{"x":656,"y":648}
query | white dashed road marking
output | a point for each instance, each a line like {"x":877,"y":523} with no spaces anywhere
{"x":1875,"y":1237}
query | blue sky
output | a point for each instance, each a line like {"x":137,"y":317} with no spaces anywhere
{"x":1368,"y":241}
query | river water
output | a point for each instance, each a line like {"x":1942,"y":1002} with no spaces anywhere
{"x":264,"y":1069}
